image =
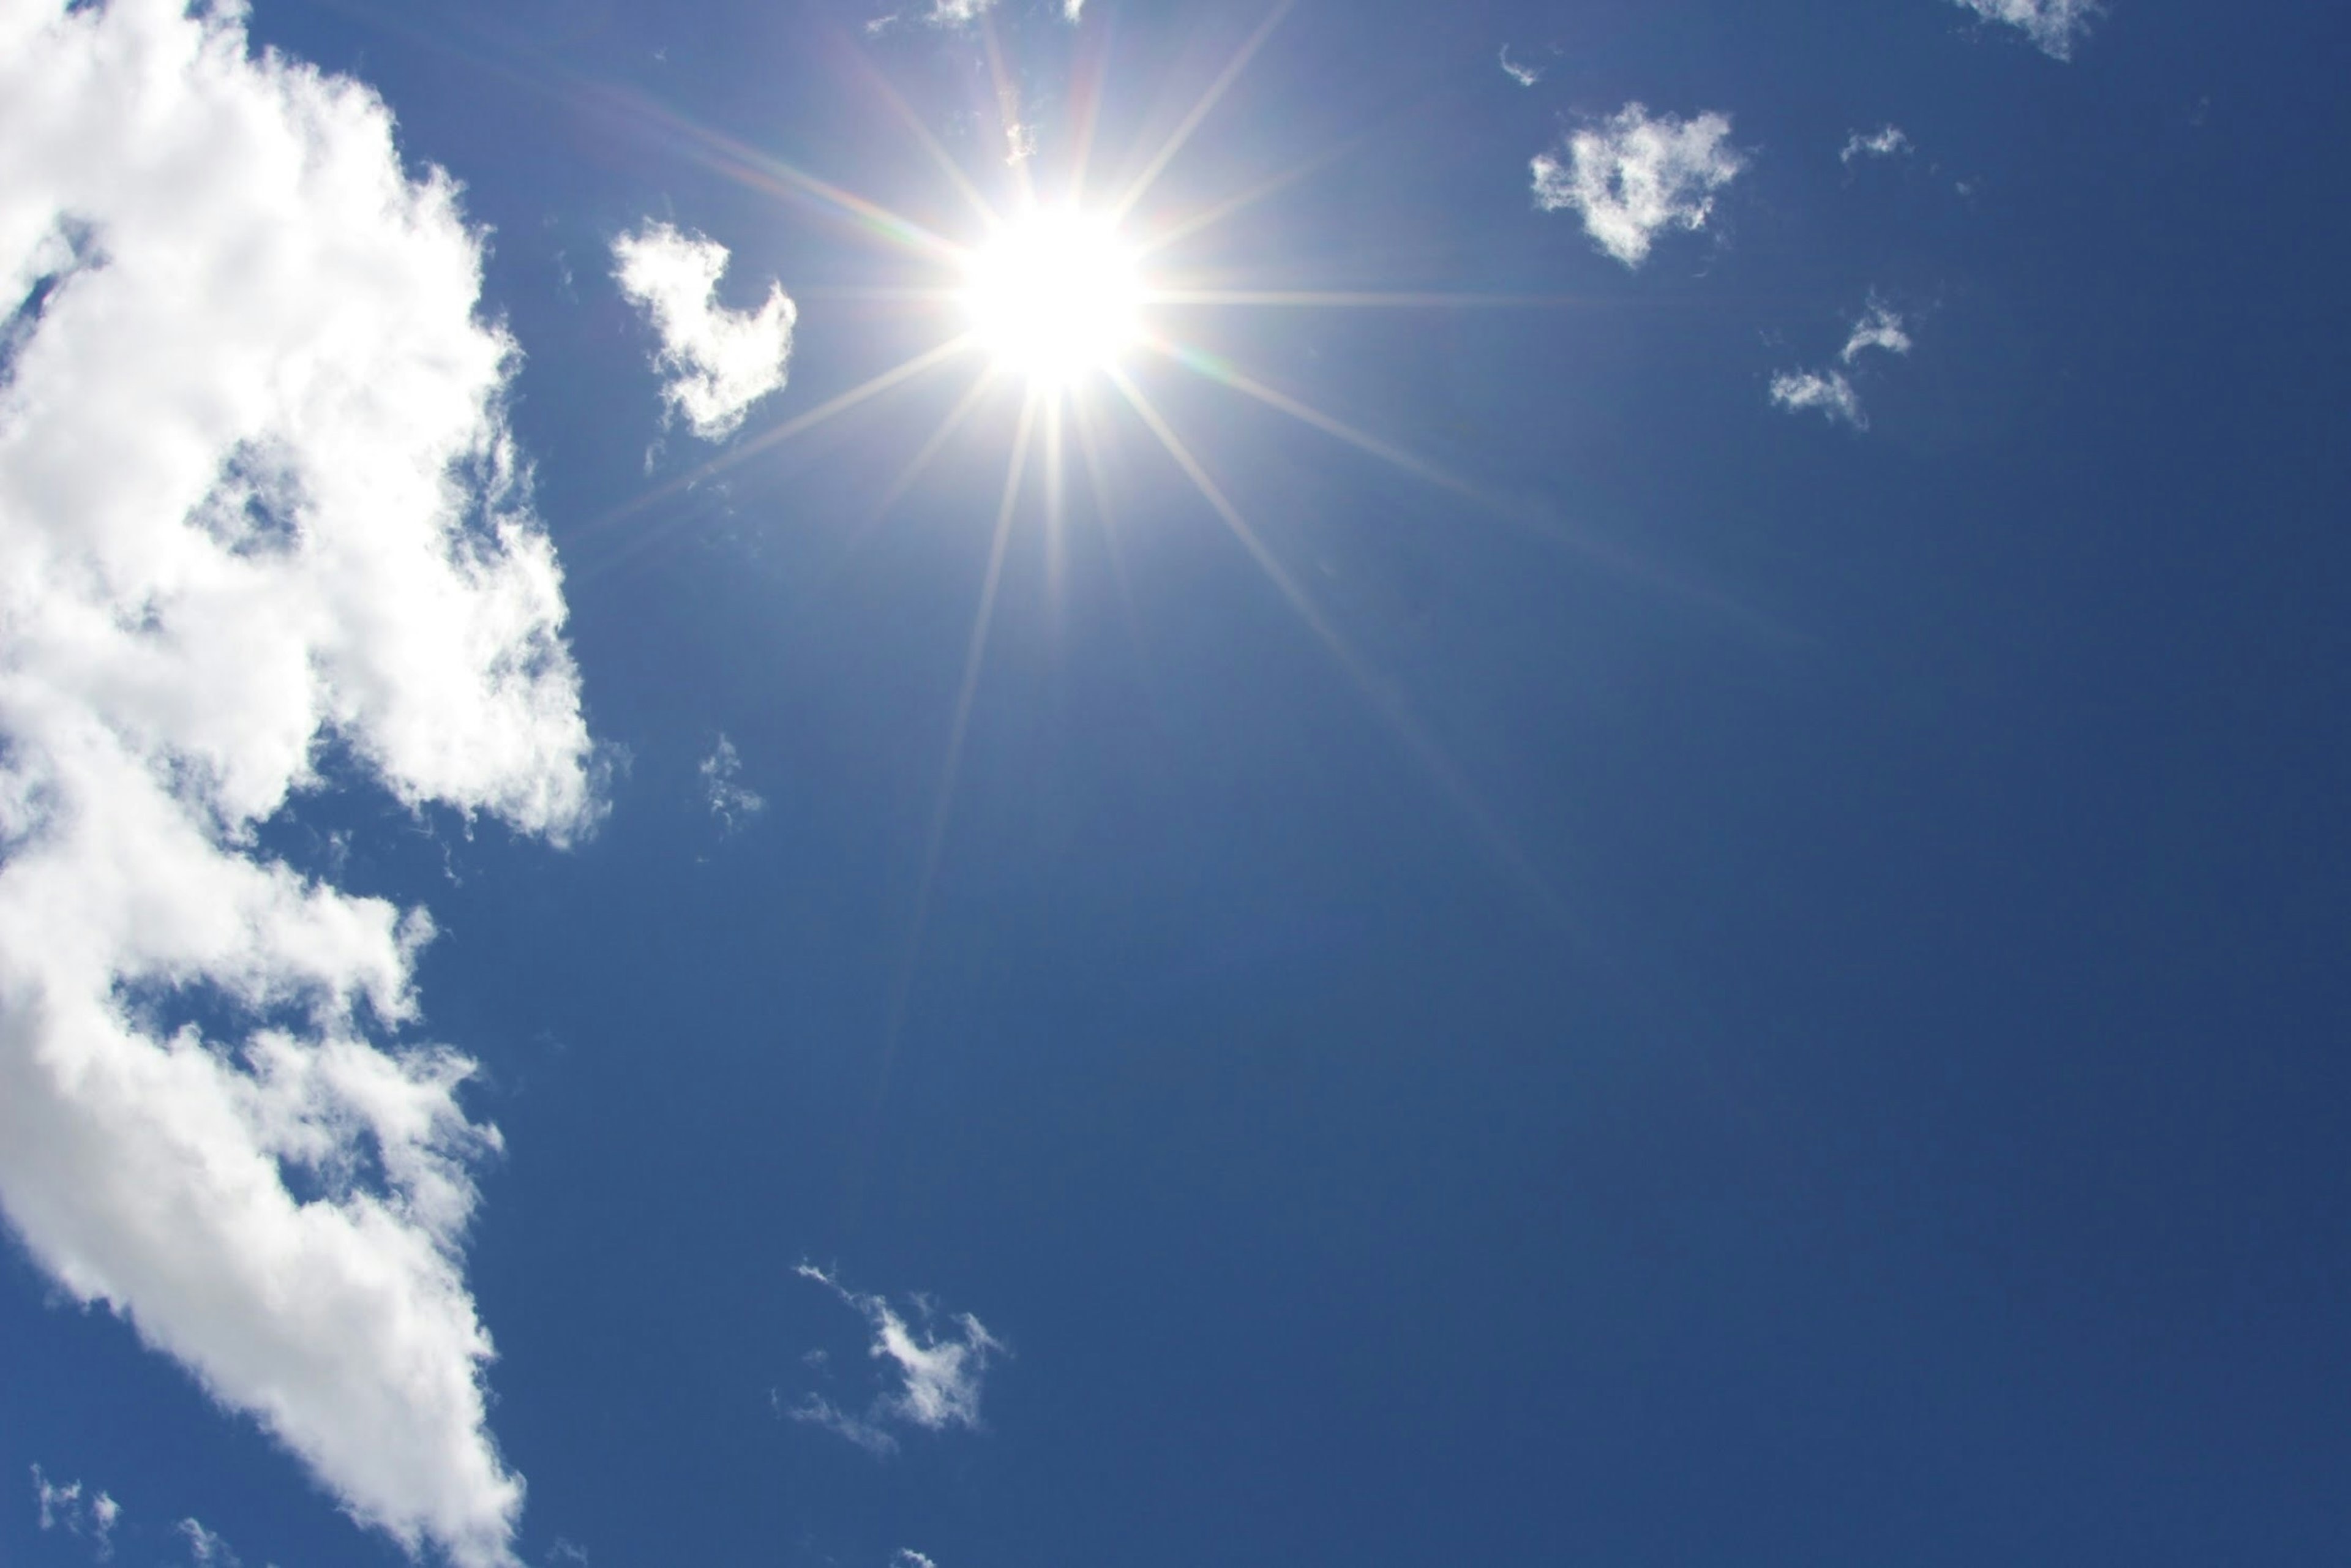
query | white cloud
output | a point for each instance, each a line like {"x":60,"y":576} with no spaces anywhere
{"x":1832,"y":391}
{"x":64,"y":1508}
{"x":1892,"y":142}
{"x":1636,"y":174}
{"x":258,"y":503}
{"x":955,"y":13}
{"x":204,"y":1548}
{"x":939,"y":1377}
{"x":1827,"y":391}
{"x":2055,"y":25}
{"x":908,"y":1557}
{"x":731,"y":801}
{"x":1525,"y":76}
{"x":720,"y":362}
{"x":1879,"y":328}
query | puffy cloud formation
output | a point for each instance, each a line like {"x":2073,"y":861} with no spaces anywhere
{"x":257,"y":507}
{"x":938,"y":1377}
{"x":730,"y":799}
{"x":2055,"y":25}
{"x":64,"y":1508}
{"x":1638,"y":174}
{"x":720,"y":362}
{"x":1832,"y":391}
{"x":1892,"y":142}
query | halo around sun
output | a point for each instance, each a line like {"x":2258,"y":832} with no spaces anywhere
{"x":1054,"y":296}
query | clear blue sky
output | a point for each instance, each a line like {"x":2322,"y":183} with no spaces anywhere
{"x":1734,"y":949}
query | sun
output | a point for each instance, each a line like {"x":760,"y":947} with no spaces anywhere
{"x":1054,"y":296}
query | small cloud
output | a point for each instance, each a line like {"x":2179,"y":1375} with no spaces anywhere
{"x":1879,"y":328}
{"x":1827,"y":391}
{"x":1892,"y":142}
{"x":1637,"y":174}
{"x":957,"y":13}
{"x":206,"y":1549}
{"x":1019,"y":143}
{"x":1831,"y":391}
{"x":1070,"y":9}
{"x":721,"y":362}
{"x":938,"y":1375}
{"x":565,"y":1552}
{"x":909,"y":1558}
{"x":731,"y":801}
{"x":91,"y":1518}
{"x":2056,"y":25}
{"x":1525,"y":76}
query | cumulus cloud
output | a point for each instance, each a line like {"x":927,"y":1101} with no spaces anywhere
{"x":730,"y":800}
{"x":1891,"y":141}
{"x":1636,"y":174}
{"x":258,"y":510}
{"x":2055,"y":25}
{"x":719,"y":361}
{"x":938,"y":1376}
{"x":1831,"y":391}
{"x":64,"y":1508}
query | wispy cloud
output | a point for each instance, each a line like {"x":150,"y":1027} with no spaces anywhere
{"x":92,"y":1517}
{"x":907,"y":1557}
{"x":1637,"y":174}
{"x":1831,"y":391}
{"x":2055,"y":25}
{"x":730,"y":800}
{"x":1524,"y":75}
{"x":720,"y":362}
{"x":937,"y":1375}
{"x":1891,"y":141}
{"x":206,"y":1549}
{"x":258,"y":504}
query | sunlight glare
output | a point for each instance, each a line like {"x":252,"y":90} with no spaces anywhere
{"x":1054,"y":296}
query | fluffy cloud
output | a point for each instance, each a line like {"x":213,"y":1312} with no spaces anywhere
{"x":1636,"y":174}
{"x":720,"y":362}
{"x":64,"y":1508}
{"x":1892,"y":142}
{"x":937,"y":1377}
{"x":1832,"y":391}
{"x":257,"y":508}
{"x":730,"y":799}
{"x":2054,"y":25}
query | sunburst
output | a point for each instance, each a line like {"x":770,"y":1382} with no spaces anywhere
{"x":1061,"y":298}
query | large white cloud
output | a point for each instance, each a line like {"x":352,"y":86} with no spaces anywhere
{"x":258,"y":503}
{"x":1636,"y":174}
{"x":720,"y":362}
{"x":2055,"y":25}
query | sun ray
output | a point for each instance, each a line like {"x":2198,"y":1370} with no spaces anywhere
{"x":929,"y":359}
{"x":1198,"y":223}
{"x":1054,"y":541}
{"x":1383,"y":703}
{"x":1539,"y":522}
{"x":974,"y":658}
{"x":1092,"y":71}
{"x":1008,"y":112}
{"x":962,"y":183}
{"x":1142,"y":183}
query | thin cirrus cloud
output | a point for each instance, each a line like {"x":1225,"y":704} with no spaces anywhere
{"x":1635,"y":176}
{"x":90,"y":1516}
{"x":258,"y":507}
{"x":1831,"y":391}
{"x":1888,"y":142}
{"x":730,"y":800}
{"x":938,"y":1376}
{"x":1518,"y":71}
{"x":718,"y":361}
{"x":2056,"y":25}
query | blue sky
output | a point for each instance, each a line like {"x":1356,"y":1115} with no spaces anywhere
{"x":1608,"y":831}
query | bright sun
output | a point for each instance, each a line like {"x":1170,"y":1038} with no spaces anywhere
{"x":1054,"y":297}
